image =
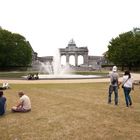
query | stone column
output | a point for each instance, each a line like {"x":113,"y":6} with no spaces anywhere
{"x":67,"y":58}
{"x":76,"y":59}
{"x":85,"y":59}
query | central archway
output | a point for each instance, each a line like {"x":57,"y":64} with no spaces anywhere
{"x":73,"y":50}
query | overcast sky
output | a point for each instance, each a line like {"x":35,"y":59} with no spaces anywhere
{"x":51,"y":24}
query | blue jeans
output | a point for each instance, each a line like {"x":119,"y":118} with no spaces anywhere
{"x":127,"y":96}
{"x":111,"y":90}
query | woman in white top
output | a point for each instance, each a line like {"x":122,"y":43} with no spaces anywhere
{"x":127,"y":83}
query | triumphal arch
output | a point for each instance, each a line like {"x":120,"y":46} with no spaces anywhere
{"x":72,"y":49}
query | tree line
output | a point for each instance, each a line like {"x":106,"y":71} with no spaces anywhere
{"x":124,"y":50}
{"x":15,"y":50}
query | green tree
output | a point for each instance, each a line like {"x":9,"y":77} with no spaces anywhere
{"x":124,"y":50}
{"x":14,"y":50}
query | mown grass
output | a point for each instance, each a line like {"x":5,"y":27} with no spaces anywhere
{"x":103,"y":73}
{"x":13,"y":74}
{"x":19,"y":74}
{"x":70,"y":112}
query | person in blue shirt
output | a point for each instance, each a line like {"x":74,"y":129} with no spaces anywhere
{"x":2,"y":103}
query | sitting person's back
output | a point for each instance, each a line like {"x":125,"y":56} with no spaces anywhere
{"x":24,"y":104}
{"x":2,"y":103}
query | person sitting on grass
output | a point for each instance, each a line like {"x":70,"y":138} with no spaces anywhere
{"x":2,"y":103}
{"x":24,"y":104}
{"x":5,"y":86}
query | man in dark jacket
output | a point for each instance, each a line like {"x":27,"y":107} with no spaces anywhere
{"x":2,"y":103}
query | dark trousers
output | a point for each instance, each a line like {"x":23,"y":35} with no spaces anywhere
{"x":127,"y":96}
{"x":111,"y":90}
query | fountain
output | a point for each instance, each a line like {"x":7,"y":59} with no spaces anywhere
{"x":55,"y":70}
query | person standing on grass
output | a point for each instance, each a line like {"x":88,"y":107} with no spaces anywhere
{"x":24,"y":104}
{"x":127,"y":83}
{"x":2,"y":103}
{"x":113,"y":87}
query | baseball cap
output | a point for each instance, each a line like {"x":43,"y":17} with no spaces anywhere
{"x":114,"y":68}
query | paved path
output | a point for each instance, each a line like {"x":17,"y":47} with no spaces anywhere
{"x":135,"y":77}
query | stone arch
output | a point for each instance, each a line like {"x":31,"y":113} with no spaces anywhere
{"x":80,"y":60}
{"x":63,"y":60}
{"x":72,"y":49}
{"x":72,"y":60}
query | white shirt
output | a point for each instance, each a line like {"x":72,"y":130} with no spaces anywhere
{"x":127,"y":83}
{"x":26,"y":102}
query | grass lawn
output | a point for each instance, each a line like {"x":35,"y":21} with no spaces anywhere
{"x":70,"y":112}
{"x":19,"y":74}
